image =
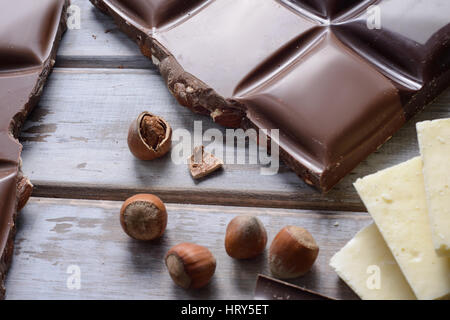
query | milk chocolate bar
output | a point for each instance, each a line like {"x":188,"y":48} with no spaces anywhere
{"x":268,"y":288}
{"x":337,"y":78}
{"x":30,"y":31}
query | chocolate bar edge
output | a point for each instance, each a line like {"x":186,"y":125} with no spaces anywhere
{"x":24,"y":186}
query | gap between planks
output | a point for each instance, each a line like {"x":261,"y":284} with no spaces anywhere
{"x":105,"y":62}
{"x":201,"y":208}
{"x":282,"y":200}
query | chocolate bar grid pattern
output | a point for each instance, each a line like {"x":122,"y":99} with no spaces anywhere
{"x":339,"y":17}
{"x":388,"y":66}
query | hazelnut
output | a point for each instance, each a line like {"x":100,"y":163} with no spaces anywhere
{"x":143,"y":217}
{"x":149,"y":137}
{"x":292,"y":253}
{"x":190,"y":265}
{"x":245,"y":238}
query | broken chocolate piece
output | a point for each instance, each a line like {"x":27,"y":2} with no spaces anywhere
{"x":30,"y":31}
{"x":336,"y":85}
{"x":203,"y":163}
{"x":268,"y":288}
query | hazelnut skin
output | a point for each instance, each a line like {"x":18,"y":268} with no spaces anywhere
{"x":143,"y":217}
{"x":190,"y":265}
{"x":245,"y":237}
{"x":292,"y":253}
{"x":149,"y":137}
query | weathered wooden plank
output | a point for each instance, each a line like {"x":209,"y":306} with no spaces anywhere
{"x":98,"y":43}
{"x":55,"y":234}
{"x":75,"y":146}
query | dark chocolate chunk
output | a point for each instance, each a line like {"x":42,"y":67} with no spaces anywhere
{"x":29,"y":33}
{"x":336,"y":86}
{"x":272,"y":289}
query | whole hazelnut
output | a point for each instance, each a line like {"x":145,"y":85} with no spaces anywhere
{"x":190,"y":265}
{"x":245,"y":237}
{"x":149,"y":137}
{"x":143,"y":217}
{"x":292,"y":253}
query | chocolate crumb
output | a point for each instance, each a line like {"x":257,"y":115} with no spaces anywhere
{"x":203,"y":163}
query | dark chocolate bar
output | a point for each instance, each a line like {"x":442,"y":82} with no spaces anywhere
{"x":29,"y":33}
{"x":272,"y":289}
{"x":335,"y":83}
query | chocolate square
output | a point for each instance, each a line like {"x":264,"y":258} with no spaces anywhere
{"x":330,"y":133}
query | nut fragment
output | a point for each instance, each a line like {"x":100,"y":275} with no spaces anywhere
{"x":203,"y":163}
{"x":24,"y":190}
{"x":149,"y":137}
{"x":143,"y":217}
{"x":190,"y":265}
{"x":245,"y":238}
{"x":292,"y":253}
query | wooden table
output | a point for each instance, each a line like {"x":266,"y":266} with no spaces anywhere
{"x":76,"y":154}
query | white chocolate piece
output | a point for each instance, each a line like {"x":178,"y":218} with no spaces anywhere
{"x":434,"y":142}
{"x":402,"y":219}
{"x":368,"y":267}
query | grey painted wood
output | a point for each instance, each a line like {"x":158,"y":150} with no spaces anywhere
{"x":98,"y":43}
{"x":55,"y":234}
{"x":75,"y":147}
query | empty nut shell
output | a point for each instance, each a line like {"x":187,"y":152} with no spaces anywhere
{"x":143,"y":217}
{"x":149,"y":137}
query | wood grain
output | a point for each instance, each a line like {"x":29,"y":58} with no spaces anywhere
{"x":75,"y":147}
{"x":55,"y":234}
{"x":98,"y":43}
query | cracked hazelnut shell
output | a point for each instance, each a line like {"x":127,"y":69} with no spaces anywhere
{"x":292,"y":253}
{"x":190,"y":265}
{"x":143,"y":217}
{"x":149,"y":137}
{"x":245,"y":237}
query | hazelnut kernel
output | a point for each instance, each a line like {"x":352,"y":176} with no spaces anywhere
{"x":143,"y":217}
{"x":245,"y":237}
{"x":149,"y":137}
